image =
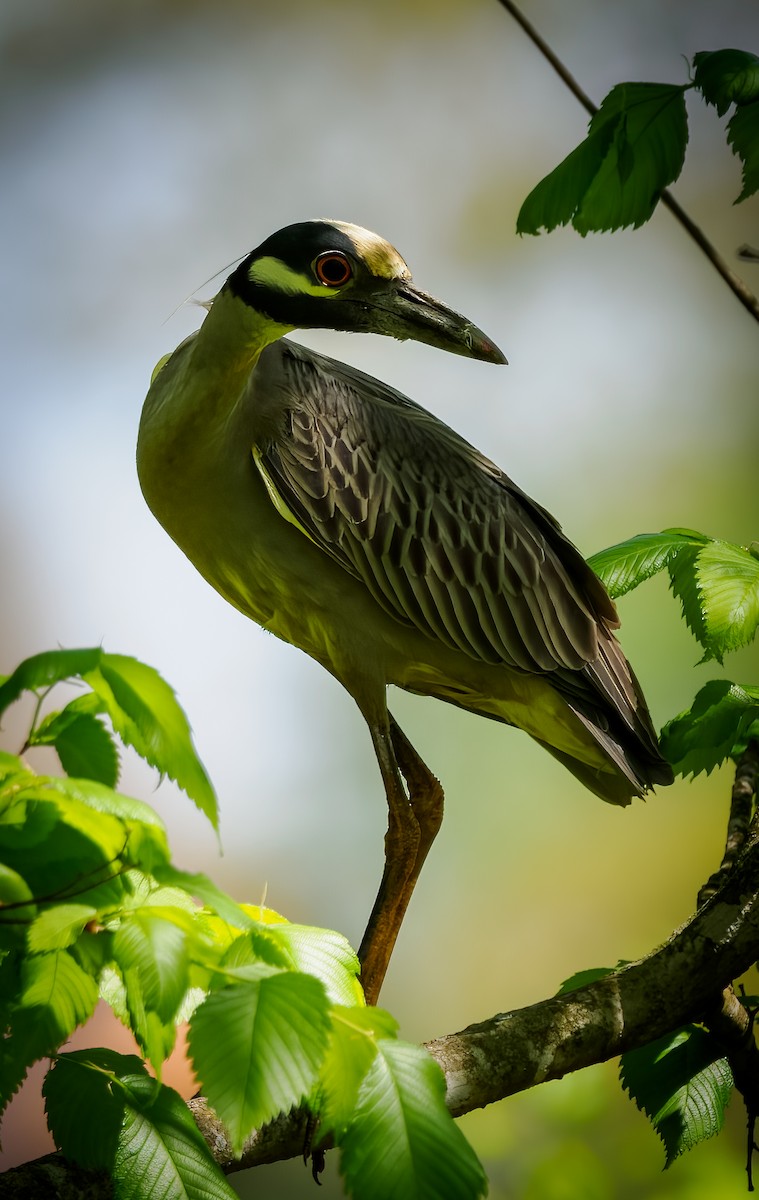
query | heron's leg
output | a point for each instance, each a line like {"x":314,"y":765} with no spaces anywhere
{"x":414,"y":818}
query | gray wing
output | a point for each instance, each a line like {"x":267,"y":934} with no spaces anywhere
{"x":440,"y":536}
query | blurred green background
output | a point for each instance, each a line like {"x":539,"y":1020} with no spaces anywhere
{"x":146,"y":145}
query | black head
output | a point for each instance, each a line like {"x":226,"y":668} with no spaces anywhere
{"x":331,"y":275}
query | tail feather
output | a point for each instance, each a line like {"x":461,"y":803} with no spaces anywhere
{"x":607,"y":698}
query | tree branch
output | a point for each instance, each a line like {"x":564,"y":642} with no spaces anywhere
{"x":737,"y":285}
{"x":516,"y":1050}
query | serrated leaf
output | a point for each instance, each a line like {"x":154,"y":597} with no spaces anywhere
{"x":44,"y":670}
{"x":155,"y":950}
{"x":275,"y":1026}
{"x":645,"y":156}
{"x":146,"y":715}
{"x":152,"y":957}
{"x":682,"y":1084}
{"x":350,"y":1052}
{"x":684,"y":583}
{"x":401,"y":1104}
{"x":728,"y":583}
{"x":327,"y":955}
{"x":83,"y":744}
{"x":139,"y":1131}
{"x":56,"y":996}
{"x":627,"y":564}
{"x":555,"y":200}
{"x":143,"y":836}
{"x":82,"y":1081}
{"x":104,"y":832}
{"x":161,"y":1152}
{"x":59,"y":926}
{"x":726,"y":77}
{"x":743,"y":138}
{"x":105,"y":800}
{"x":60,"y":994}
{"x":715,"y":726}
{"x":634,"y":149}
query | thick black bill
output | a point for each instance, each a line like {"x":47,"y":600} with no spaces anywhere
{"x":406,"y":312}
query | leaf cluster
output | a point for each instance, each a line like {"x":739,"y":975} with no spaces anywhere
{"x":635,"y":148}
{"x":682,"y":1081}
{"x":717,"y":584}
{"x":91,"y":907}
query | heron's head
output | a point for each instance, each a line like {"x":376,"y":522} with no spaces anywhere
{"x":331,"y":275}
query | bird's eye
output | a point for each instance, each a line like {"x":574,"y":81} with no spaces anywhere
{"x":333,"y":268}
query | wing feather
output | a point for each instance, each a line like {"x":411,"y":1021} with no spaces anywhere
{"x":438,"y":534}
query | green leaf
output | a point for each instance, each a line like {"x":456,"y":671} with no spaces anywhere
{"x":83,"y":744}
{"x":142,"y":707}
{"x":138,"y":1130}
{"x":106,"y":834}
{"x":402,"y":1141}
{"x":743,"y":137}
{"x":155,"y":950}
{"x":556,"y":199}
{"x":145,"y":714}
{"x":635,"y":148}
{"x":728,"y":583}
{"x":726,"y":77}
{"x":206,"y":891}
{"x":682,"y":1084}
{"x":684,"y":583}
{"x":350,"y":1052}
{"x":627,"y":564}
{"x":275,"y":1035}
{"x":44,"y":670}
{"x":61,"y":995}
{"x":56,"y":996}
{"x":82,"y":1082}
{"x":161,"y":1152}
{"x":327,"y":955}
{"x":716,"y":726}
{"x":151,"y":954}
{"x":13,"y":773}
{"x":17,"y":906}
{"x":59,"y":926}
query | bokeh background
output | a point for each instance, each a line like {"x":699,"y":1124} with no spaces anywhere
{"x":146,"y":145}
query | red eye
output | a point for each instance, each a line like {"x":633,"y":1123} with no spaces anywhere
{"x":332,"y":268}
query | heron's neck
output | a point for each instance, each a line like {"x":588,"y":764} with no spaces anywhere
{"x":232,"y":337}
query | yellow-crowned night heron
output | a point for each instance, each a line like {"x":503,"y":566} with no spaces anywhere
{"x":352,"y":523}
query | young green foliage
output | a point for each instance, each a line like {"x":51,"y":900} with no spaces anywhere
{"x":634,"y":149}
{"x":718,"y":725}
{"x":627,"y":564}
{"x":726,"y":77}
{"x":142,"y":709}
{"x":139,"y":1131}
{"x":683,"y":1086}
{"x":717,"y":582}
{"x":91,"y":905}
{"x":275,"y":1036}
{"x":401,"y":1140}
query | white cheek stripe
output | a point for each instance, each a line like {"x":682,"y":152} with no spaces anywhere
{"x":273,"y":273}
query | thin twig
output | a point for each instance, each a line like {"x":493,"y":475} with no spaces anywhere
{"x":733,"y":281}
